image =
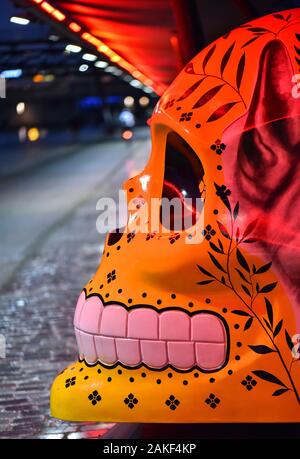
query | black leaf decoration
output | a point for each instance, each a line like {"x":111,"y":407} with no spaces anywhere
{"x":223,"y":280}
{"x":242,"y":276}
{"x":258,"y":29}
{"x":249,"y":41}
{"x":297,"y":36}
{"x":261,"y":349}
{"x":250,"y":228}
{"x":289,"y":341}
{"x":248,"y":324}
{"x":297,"y":50}
{"x":242,"y":260}
{"x":268,"y":288}
{"x":191,"y":89}
{"x":221,"y":111}
{"x":249,"y":241}
{"x":238,"y":312}
{"x":216,"y":263}
{"x":297,"y":60}
{"x":257,"y":287}
{"x":240,"y":71}
{"x":236,"y":210}
{"x":288,"y":17}
{"x":268,"y":325}
{"x":246,"y":290}
{"x":264,"y":268}
{"x":215,"y":248}
{"x":279,"y":392}
{"x":206,"y":97}
{"x":279,"y":16}
{"x":221,"y":245}
{"x":223,"y":230}
{"x":226,"y":58}
{"x":266,"y":376}
{"x":203,"y":270}
{"x":278,"y":328}
{"x":190,"y":69}
{"x":208,"y":56}
{"x":204,"y":282}
{"x":269,"y":309}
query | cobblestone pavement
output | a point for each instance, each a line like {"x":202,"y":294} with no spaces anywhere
{"x":36,"y":315}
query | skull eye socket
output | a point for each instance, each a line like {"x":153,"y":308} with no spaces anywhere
{"x":183,"y":179}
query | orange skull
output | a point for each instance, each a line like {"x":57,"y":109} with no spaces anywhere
{"x":174,"y":331}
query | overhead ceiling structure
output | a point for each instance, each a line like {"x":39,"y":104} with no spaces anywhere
{"x":137,"y":36}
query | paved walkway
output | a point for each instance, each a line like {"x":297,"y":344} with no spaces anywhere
{"x":48,"y":220}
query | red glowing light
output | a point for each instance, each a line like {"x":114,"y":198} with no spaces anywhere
{"x":127,"y":135}
{"x":75,"y":27}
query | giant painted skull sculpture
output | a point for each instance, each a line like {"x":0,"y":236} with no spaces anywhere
{"x":175,"y":332}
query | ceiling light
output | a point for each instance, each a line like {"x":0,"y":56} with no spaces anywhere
{"x":144,"y":101}
{"x":135,"y":83}
{"x":20,"y":108}
{"x":15,"y":73}
{"x":129,"y":101}
{"x":110,"y":69}
{"x":19,"y":20}
{"x":53,"y":37}
{"x":89,"y":57}
{"x":33,"y":134}
{"x":83,"y":68}
{"x":101,"y":64}
{"x":73,"y":48}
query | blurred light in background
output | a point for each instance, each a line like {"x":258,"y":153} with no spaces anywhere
{"x":73,"y":48}
{"x":101,"y":64}
{"x":33,"y":134}
{"x":89,"y":57}
{"x":135,"y":83}
{"x":144,"y":101}
{"x":38,"y":78}
{"x":83,"y":68}
{"x":14,"y":73}
{"x":53,"y":38}
{"x":20,"y":108}
{"x":22,"y":134}
{"x":19,"y":20}
{"x":129,"y":101}
{"x":127,"y":135}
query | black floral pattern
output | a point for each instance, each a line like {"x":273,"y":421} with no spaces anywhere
{"x":218,"y":147}
{"x":70,"y":382}
{"x":94,"y":397}
{"x":111,"y":276}
{"x":172,"y":402}
{"x":187,"y":116}
{"x":131,"y":401}
{"x":130,"y":236}
{"x":249,"y":382}
{"x":174,"y":237}
{"x":213,"y":401}
{"x":208,"y":232}
{"x":150,"y":236}
{"x":169,"y":104}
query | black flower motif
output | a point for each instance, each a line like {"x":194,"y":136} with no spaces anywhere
{"x":94,"y":397}
{"x":70,"y":382}
{"x":212,"y":401}
{"x":150,"y":236}
{"x":208,"y":232}
{"x":111,"y":276}
{"x":130,"y":401}
{"x":223,"y":191}
{"x":172,"y":402}
{"x":218,"y":147}
{"x":169,"y":104}
{"x":130,"y":236}
{"x":174,"y":237}
{"x":187,"y":116}
{"x":249,"y":382}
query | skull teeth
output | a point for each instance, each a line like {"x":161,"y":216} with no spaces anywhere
{"x":111,"y":334}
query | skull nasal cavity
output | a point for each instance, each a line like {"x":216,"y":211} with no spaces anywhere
{"x":183,"y":175}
